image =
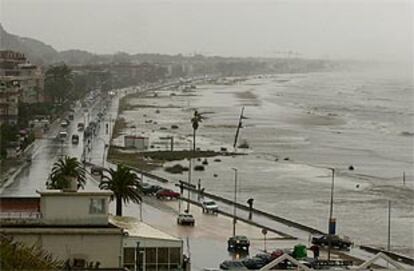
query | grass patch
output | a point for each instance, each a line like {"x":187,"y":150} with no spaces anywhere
{"x":117,"y":156}
{"x":150,"y":160}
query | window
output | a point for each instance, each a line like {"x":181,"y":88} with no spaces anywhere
{"x":162,"y":255}
{"x":97,"y":206}
{"x":175,"y":255}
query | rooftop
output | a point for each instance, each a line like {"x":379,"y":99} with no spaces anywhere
{"x":136,"y":228}
{"x":70,"y":194}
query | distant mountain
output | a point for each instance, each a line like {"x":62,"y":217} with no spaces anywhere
{"x":36,"y":51}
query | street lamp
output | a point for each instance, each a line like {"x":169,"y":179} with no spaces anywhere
{"x":331,"y":222}
{"x":235,"y":201}
{"x":189,"y":178}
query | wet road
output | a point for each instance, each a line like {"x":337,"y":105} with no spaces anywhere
{"x":47,"y":150}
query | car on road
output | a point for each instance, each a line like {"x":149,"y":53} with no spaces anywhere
{"x":232,"y":265}
{"x":167,"y":193}
{"x":209,"y":206}
{"x":97,"y":171}
{"x":64,"y":124}
{"x":185,"y":219}
{"x":238,"y":243}
{"x":81,"y":126}
{"x":150,"y":189}
{"x":63,"y":135}
{"x":75,"y":139}
{"x":336,"y":241}
{"x":71,"y":117}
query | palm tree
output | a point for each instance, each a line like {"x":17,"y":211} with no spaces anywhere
{"x":124,"y":184}
{"x":195,"y":121}
{"x":64,"y":171}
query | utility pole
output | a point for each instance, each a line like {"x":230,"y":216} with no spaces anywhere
{"x":331,"y":223}
{"x":389,"y":227}
{"x":404,"y":178}
{"x":189,"y":183}
{"x":235,"y":202}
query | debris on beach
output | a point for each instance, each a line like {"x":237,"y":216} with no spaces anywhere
{"x":199,"y":168}
{"x":286,"y":158}
{"x":217,"y":160}
{"x":174,"y":126}
{"x":351,"y":167}
{"x":205,"y":162}
{"x":244,"y":145}
{"x":176,"y":169}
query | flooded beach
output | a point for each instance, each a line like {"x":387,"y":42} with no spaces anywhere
{"x":297,"y":126}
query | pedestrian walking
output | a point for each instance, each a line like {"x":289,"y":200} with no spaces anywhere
{"x":315,"y":250}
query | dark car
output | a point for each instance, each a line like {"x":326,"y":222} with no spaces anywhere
{"x":266,"y":257}
{"x":150,"y":189}
{"x":237,"y":243}
{"x":336,"y":241}
{"x":167,"y":193}
{"x":232,"y":265}
{"x":254,"y":263}
{"x":97,"y":171}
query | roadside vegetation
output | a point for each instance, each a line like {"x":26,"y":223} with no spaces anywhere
{"x":18,"y":256}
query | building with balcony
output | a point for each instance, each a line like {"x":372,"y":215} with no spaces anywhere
{"x":15,"y":66}
{"x":10,"y":92}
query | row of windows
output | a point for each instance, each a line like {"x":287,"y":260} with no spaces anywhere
{"x":161,"y":258}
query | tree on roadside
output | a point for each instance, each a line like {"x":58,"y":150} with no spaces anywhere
{"x":64,"y":171}
{"x":124,"y":184}
{"x":195,"y":121}
{"x":58,"y":83}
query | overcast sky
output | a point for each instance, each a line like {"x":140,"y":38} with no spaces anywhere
{"x":364,"y":29}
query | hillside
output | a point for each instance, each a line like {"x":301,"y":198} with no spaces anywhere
{"x":36,"y":51}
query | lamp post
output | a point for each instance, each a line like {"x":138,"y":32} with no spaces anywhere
{"x":331,"y":223}
{"x":235,"y":201}
{"x":189,"y":179}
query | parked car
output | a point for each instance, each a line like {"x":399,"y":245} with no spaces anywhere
{"x":64,"y":124}
{"x":209,"y":206}
{"x":186,"y":219}
{"x":232,"y":265}
{"x":97,"y":171}
{"x":81,"y":126}
{"x":253,"y":263}
{"x":237,"y":243}
{"x":167,"y":193}
{"x":150,"y":189}
{"x":71,"y":116}
{"x":75,"y":139}
{"x":336,"y":241}
{"x":63,"y":135}
{"x":266,"y":257}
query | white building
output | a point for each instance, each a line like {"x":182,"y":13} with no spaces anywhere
{"x":148,"y":248}
{"x":137,"y":142}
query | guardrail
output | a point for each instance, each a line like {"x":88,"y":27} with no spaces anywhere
{"x":256,"y":211}
{"x":393,"y":255}
{"x":284,"y":236}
